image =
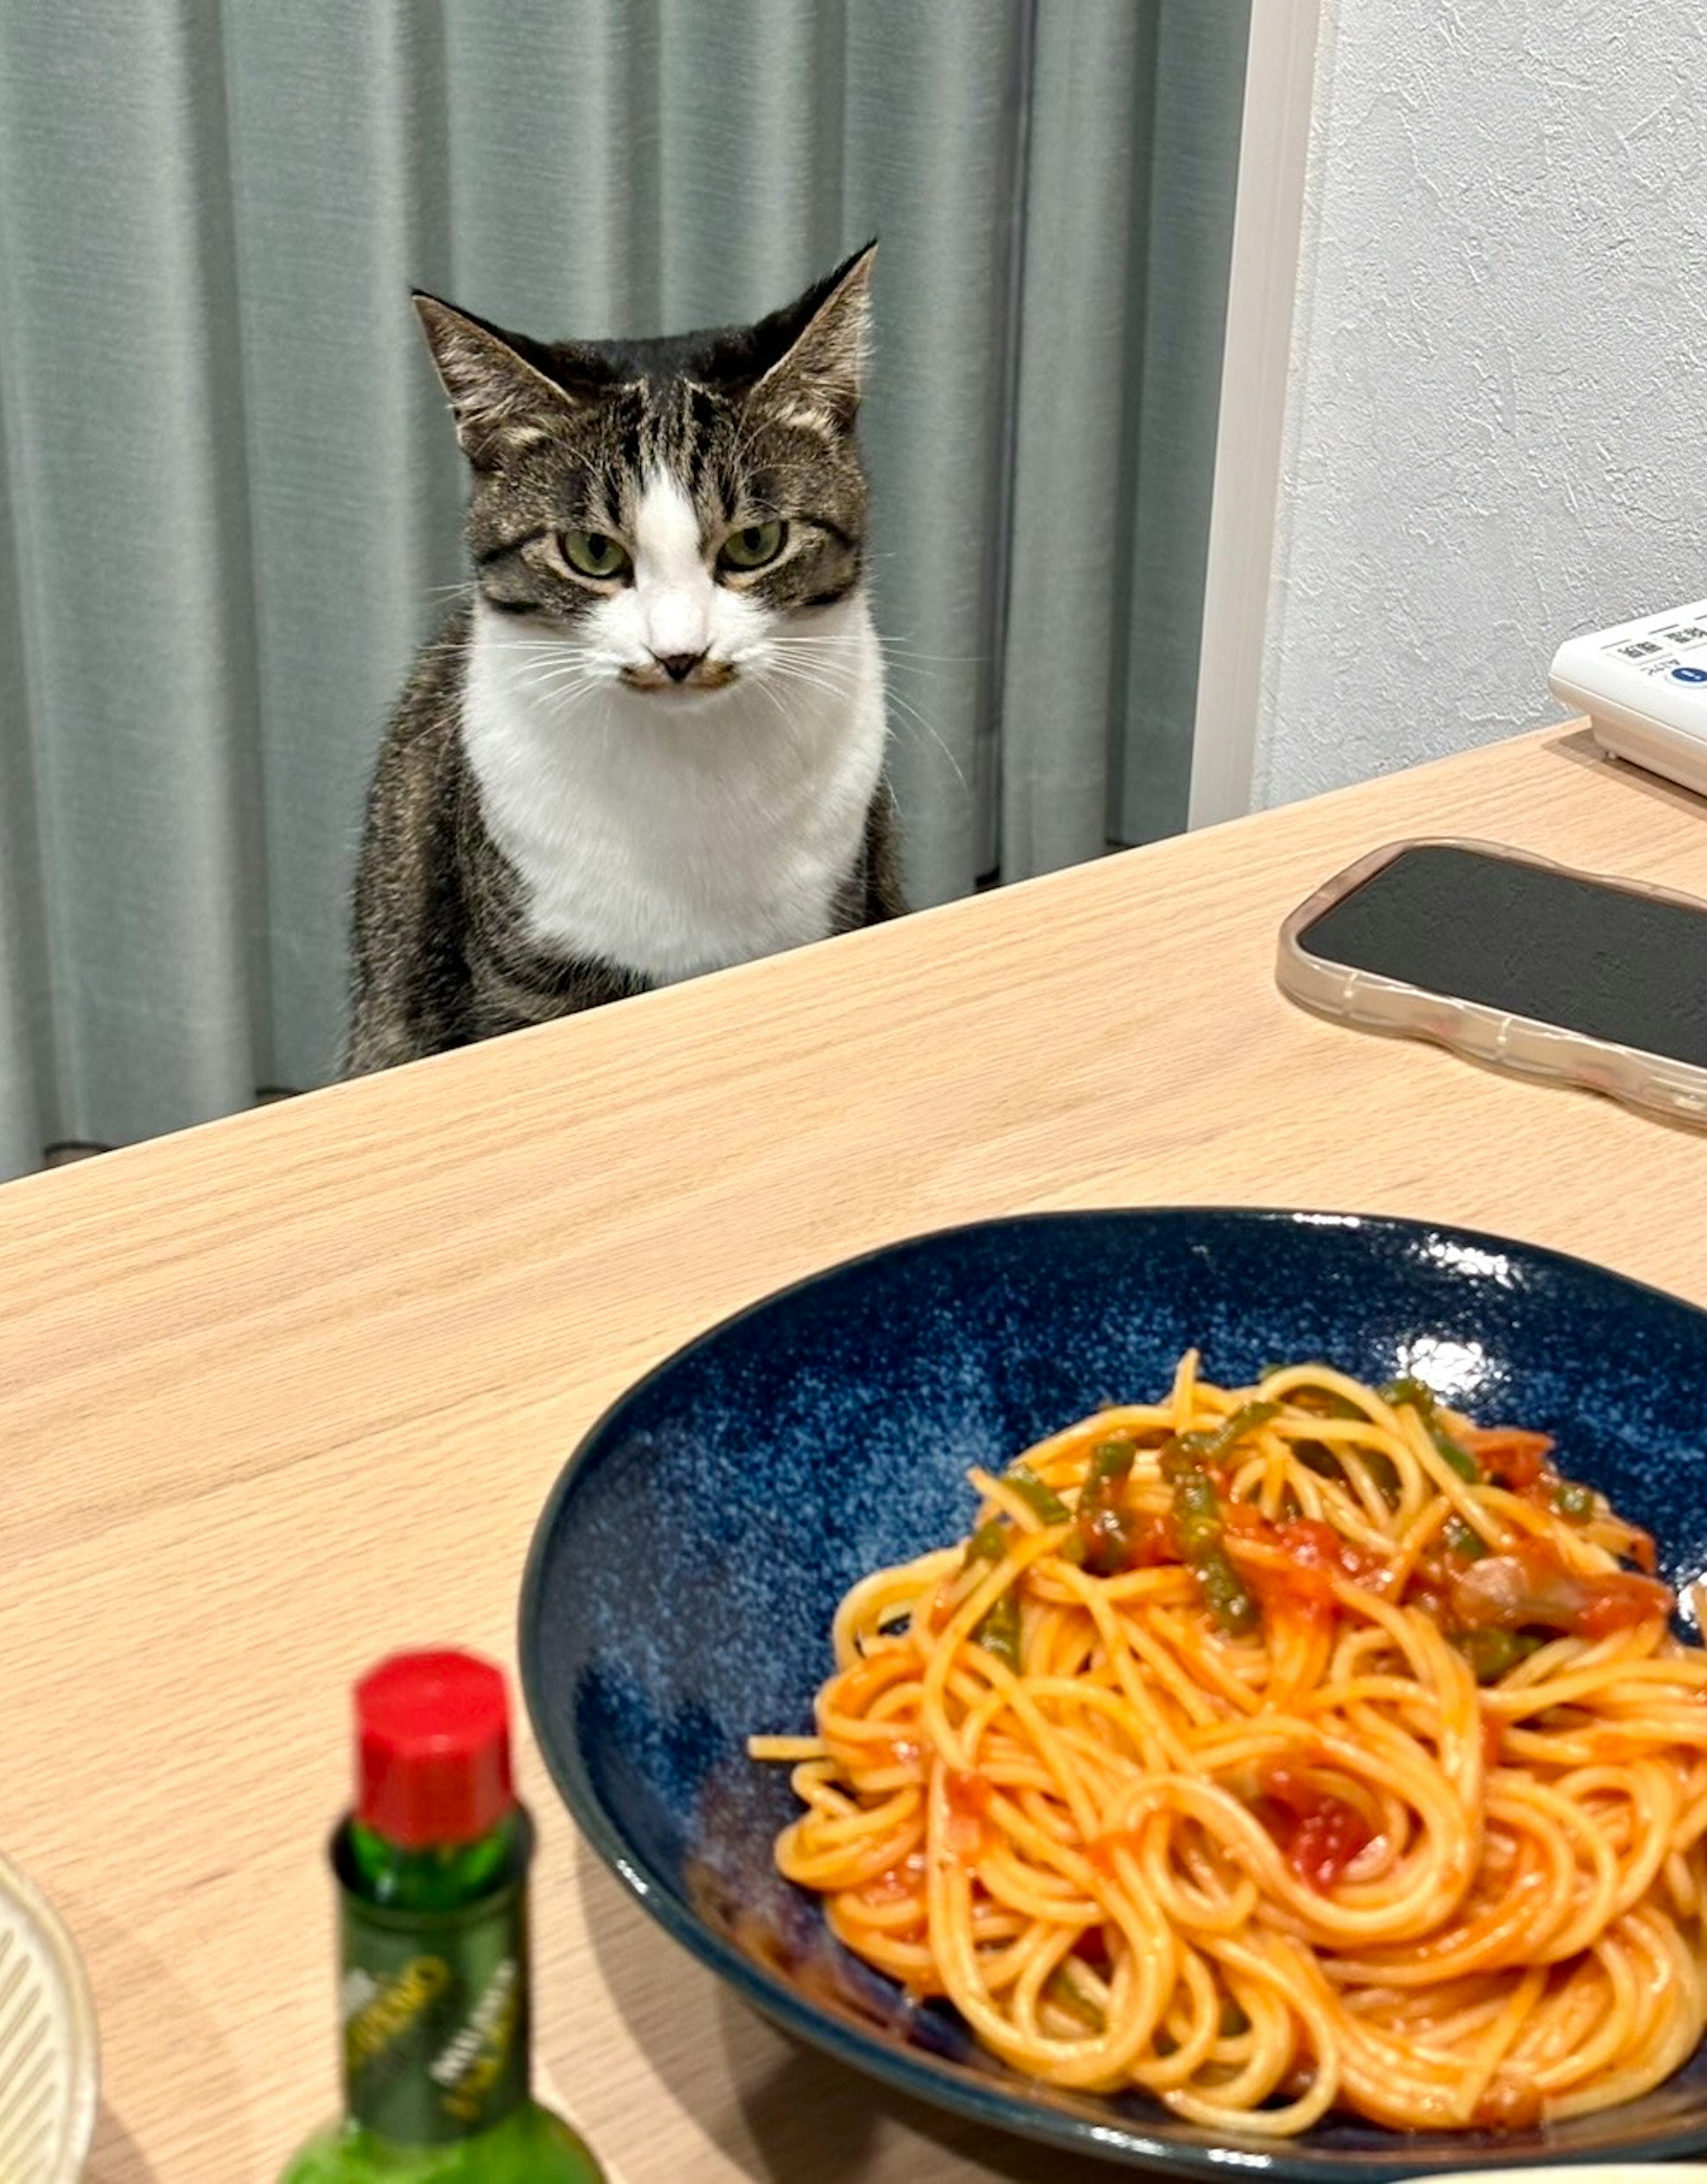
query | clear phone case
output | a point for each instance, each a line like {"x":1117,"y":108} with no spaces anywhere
{"x":1522,"y":1046}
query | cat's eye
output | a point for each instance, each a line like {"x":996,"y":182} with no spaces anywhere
{"x":594,"y":553}
{"x":753,"y":546}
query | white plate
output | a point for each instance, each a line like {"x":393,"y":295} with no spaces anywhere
{"x":49,"y":2063}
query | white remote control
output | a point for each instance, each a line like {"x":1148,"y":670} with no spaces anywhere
{"x":1643,"y":687}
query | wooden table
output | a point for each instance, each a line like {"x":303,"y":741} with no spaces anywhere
{"x":286,"y":1392}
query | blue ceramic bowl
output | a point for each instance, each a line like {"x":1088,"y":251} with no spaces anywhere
{"x":679,"y":1592}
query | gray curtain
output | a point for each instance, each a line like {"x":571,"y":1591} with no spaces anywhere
{"x":228,"y":494}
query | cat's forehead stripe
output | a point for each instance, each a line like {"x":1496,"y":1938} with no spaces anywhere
{"x":666,"y":528}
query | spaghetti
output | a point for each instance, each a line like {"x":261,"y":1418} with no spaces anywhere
{"x":1275,"y":1750}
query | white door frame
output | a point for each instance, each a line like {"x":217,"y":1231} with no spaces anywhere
{"x":1268,"y":227}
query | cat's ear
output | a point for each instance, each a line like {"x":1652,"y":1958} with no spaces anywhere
{"x":827,"y":335}
{"x":503,"y":404}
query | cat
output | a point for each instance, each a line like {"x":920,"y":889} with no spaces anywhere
{"x":651,"y":743}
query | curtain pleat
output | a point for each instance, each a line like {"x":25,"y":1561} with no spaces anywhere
{"x":556,"y":131}
{"x":1196,"y":93}
{"x":125,"y":424}
{"x":932,"y":161}
{"x":27,"y":1093}
{"x":746,"y":166}
{"x":1081,"y":319}
{"x":230,"y":499}
{"x":342,"y":183}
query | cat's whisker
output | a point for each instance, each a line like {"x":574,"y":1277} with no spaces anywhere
{"x":812,"y":678}
{"x":562,"y":663}
{"x":564,"y":691}
{"x":834,"y":689}
{"x":902,"y":710}
{"x":910,"y":715}
{"x":895,"y":653}
{"x":797,"y":684}
{"x":776,"y":699}
{"x":557,"y":655}
{"x":561,"y":655}
{"x":911,"y":711}
{"x":545,"y":674}
{"x":781,"y":649}
{"x":566,"y":703}
{"x":922,"y":662}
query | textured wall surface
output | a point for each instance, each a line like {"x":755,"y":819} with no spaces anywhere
{"x":1499,"y":372}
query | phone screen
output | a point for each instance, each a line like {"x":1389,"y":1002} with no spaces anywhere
{"x":1582,"y":955}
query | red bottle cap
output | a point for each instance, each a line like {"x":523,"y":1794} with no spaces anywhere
{"x":432,"y":1741}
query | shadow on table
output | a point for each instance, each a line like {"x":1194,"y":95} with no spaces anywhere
{"x":115,"y":2158}
{"x":799,"y":2113}
{"x":846,"y":2113}
{"x":174,"y":2038}
{"x":1578,"y":747}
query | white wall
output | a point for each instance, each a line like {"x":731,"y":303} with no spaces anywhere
{"x":1495,"y":425}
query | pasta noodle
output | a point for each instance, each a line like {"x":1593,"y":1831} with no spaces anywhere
{"x":1274,"y":1751}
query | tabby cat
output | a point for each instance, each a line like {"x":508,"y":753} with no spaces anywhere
{"x":650,"y":743}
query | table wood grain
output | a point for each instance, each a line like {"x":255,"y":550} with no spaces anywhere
{"x":285,"y":1392}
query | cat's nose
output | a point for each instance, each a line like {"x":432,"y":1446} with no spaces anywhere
{"x":678,"y":665}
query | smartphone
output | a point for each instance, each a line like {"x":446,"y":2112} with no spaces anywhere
{"x":1516,"y":961}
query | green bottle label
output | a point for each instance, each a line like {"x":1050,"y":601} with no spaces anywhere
{"x":435,"y":2012}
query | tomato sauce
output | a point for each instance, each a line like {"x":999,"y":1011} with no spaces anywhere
{"x":1510,"y":2104}
{"x":1618,"y":1602}
{"x":969,"y":1800}
{"x":1093,"y":1948}
{"x":1319,"y":1834}
{"x":897,"y":1884}
{"x":1154,"y":1543}
{"x":1516,"y":1459}
{"x":1315,"y":1556}
{"x":1101,"y":1850}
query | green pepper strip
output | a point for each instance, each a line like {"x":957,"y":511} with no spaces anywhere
{"x":1197,"y":1525}
{"x":1490,"y":1653}
{"x":1103,"y":1534}
{"x":988,"y":1543}
{"x":1201,"y":1448}
{"x":1322,"y":1402}
{"x":1413,"y":1393}
{"x":999,"y":1632}
{"x":1043,"y":1499}
{"x":1317,"y":1457}
{"x":1320,"y":1458}
{"x":1462,"y":1540}
{"x":1111,"y":1463}
{"x":1197,"y":1517}
{"x":1574,"y":1503}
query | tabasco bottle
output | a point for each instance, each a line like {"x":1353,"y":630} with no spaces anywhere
{"x":431,"y":1869}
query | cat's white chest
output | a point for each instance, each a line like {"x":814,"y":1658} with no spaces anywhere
{"x":669,"y":836}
